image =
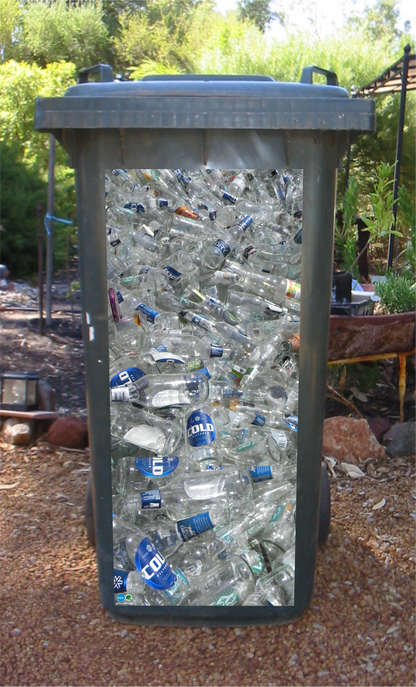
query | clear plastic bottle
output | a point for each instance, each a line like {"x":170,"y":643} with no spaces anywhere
{"x":158,"y":391}
{"x":215,"y":255}
{"x":201,"y":491}
{"x":226,"y":584}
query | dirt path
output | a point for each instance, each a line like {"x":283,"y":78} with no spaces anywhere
{"x":359,"y":629}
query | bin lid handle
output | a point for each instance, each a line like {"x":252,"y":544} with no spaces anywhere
{"x":307,"y":75}
{"x":106,"y":73}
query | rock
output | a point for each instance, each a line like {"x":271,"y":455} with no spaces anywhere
{"x":347,"y":439}
{"x":68,"y":432}
{"x":46,"y":396}
{"x":378,"y":426}
{"x":401,"y":438}
{"x":18,"y":432}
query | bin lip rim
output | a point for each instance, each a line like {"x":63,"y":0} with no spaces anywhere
{"x":204,"y":88}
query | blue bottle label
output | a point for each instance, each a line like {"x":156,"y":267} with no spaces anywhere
{"x":212,"y":215}
{"x":153,"y":567}
{"x":193,"y":526}
{"x":135,"y":207}
{"x":229,"y":197}
{"x":171,"y":272}
{"x":157,"y":466}
{"x":162,"y":202}
{"x":245,"y":223}
{"x":260,"y":473}
{"x":115,"y":243}
{"x":127,"y":376}
{"x":259,"y":420}
{"x":216,"y":351}
{"x":161,"y":348}
{"x":222,"y":246}
{"x":120,"y":580}
{"x":121,"y":598}
{"x":119,"y":297}
{"x":150,"y":314}
{"x":151,"y":499}
{"x":292,"y":422}
{"x":200,"y":429}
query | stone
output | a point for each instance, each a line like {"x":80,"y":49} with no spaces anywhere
{"x":347,"y":439}
{"x":379,"y":426}
{"x":400,"y":439}
{"x":68,"y":432}
{"x":16,"y":431}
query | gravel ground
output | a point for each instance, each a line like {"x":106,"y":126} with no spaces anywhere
{"x":359,"y":629}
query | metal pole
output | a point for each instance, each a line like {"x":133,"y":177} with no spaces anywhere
{"x":49,"y":228}
{"x":40,"y":230}
{"x":399,"y":151}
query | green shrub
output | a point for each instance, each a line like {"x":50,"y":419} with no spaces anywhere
{"x":396,"y":293}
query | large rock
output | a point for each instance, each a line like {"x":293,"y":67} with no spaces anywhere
{"x":16,"y":431}
{"x":68,"y":432}
{"x":350,"y":440}
{"x":401,"y":438}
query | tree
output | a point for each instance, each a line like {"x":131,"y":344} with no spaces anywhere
{"x":259,"y":12}
{"x":45,"y":32}
{"x":378,"y":22}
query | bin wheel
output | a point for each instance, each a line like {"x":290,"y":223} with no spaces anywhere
{"x":89,"y":513}
{"x":324,"y":507}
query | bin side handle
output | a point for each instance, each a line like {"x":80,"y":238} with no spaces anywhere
{"x":106,"y":73}
{"x":307,"y":75}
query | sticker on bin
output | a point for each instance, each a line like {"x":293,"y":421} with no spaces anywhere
{"x":200,"y":429}
{"x":153,"y":567}
{"x":157,"y":466}
{"x":127,"y":376}
{"x":193,"y":526}
{"x":120,"y":580}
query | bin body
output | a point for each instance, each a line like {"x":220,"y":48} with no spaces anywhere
{"x":209,"y":124}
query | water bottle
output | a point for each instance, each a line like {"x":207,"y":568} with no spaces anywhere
{"x":215,"y":255}
{"x":135,"y":473}
{"x":278,"y":535}
{"x":202,"y":424}
{"x":227,"y":584}
{"x":273,"y":288}
{"x":235,"y":189}
{"x":211,"y":490}
{"x":159,"y":391}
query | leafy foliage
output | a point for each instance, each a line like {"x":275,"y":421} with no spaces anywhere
{"x":408,"y":215}
{"x":45,"y":32}
{"x":24,"y":155}
{"x":396,"y":293}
